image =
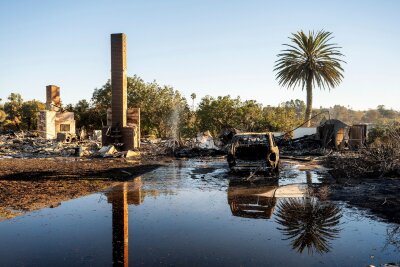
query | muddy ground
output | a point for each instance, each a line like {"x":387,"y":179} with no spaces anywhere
{"x":74,"y":168}
{"x":33,"y":184}
{"x":380,"y":196}
{"x":17,"y":197}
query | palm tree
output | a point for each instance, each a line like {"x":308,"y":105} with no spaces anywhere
{"x":308,"y":62}
{"x":193,"y":97}
{"x":308,"y":223}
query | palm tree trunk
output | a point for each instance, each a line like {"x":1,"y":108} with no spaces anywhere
{"x":309,"y":101}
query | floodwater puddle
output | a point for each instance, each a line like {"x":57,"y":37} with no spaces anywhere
{"x":194,"y":213}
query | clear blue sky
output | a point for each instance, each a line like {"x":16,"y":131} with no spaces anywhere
{"x":207,"y":47}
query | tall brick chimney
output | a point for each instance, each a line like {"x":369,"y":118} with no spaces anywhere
{"x":118,"y":79}
{"x":118,"y":133}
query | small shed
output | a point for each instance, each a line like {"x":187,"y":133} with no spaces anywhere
{"x":358,"y":136}
{"x":333,"y":133}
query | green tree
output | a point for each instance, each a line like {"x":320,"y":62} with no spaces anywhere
{"x":85,"y":115}
{"x":250,"y":115}
{"x":281,"y":118}
{"x":162,"y":107}
{"x":29,"y":113}
{"x":387,"y":113}
{"x":298,"y":105}
{"x":215,"y":114}
{"x":13,"y":109}
{"x":309,"y":61}
{"x":82,"y":106}
{"x":371,"y":116}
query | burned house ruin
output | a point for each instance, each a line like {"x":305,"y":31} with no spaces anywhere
{"x":123,"y":124}
{"x":52,"y":121}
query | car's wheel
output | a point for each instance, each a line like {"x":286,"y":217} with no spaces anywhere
{"x":276,"y":169}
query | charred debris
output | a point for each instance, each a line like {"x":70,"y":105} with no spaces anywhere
{"x":331,"y":135}
{"x":336,"y":144}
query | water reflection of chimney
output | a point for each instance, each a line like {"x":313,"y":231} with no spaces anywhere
{"x":120,"y":197}
{"x":309,"y":177}
{"x":120,"y":225}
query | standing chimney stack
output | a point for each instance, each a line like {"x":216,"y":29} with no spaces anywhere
{"x":120,"y":131}
{"x":118,"y":79}
{"x":53,"y":101}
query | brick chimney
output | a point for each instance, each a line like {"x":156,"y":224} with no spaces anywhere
{"x":118,"y":79}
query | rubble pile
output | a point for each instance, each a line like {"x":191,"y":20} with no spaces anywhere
{"x":368,"y":163}
{"x":205,"y":141}
{"x":303,"y":146}
{"x":21,"y":146}
{"x":158,"y":146}
{"x":195,"y":152}
{"x":111,"y":152}
{"x":204,"y":145}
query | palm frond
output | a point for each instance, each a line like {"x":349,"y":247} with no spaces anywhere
{"x":310,"y":56}
{"x":308,"y":223}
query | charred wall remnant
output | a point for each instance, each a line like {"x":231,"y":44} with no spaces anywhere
{"x":118,"y":132}
{"x":53,"y":101}
{"x":52,"y":122}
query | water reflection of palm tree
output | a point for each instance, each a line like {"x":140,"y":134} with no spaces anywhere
{"x":308,"y":223}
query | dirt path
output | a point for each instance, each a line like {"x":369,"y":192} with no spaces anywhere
{"x":33,"y":184}
{"x":73,"y":168}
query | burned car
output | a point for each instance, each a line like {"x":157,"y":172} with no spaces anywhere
{"x":256,"y":202}
{"x":251,"y":152}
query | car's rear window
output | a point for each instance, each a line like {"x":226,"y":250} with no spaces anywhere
{"x":252,"y":139}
